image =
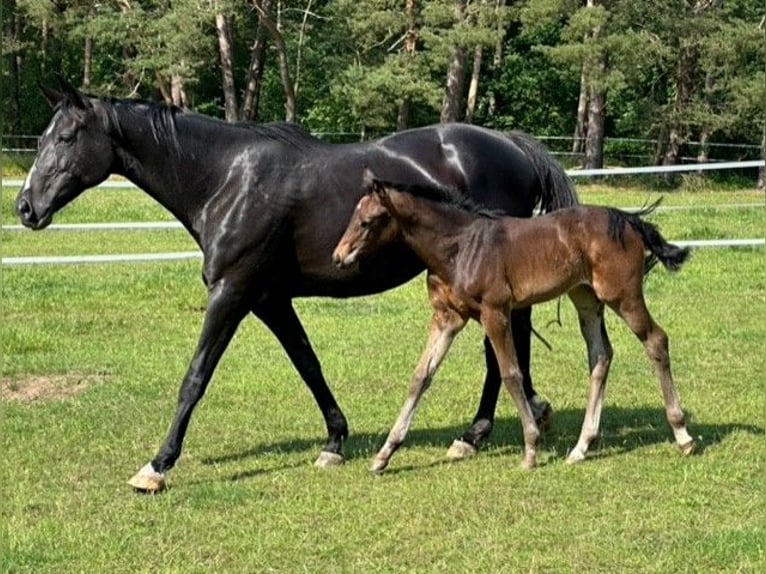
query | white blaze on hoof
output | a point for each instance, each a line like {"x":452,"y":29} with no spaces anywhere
{"x":148,"y":480}
{"x":460,"y":450}
{"x":329,"y":460}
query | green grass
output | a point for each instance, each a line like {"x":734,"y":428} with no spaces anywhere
{"x":245,"y":497}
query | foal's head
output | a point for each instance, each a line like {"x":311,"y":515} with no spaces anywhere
{"x":371,"y":225}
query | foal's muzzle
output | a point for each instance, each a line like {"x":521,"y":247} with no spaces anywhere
{"x":343,"y":261}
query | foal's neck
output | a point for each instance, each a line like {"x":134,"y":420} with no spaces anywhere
{"x":432,"y":230}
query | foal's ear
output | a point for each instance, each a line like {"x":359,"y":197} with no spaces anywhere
{"x":73,"y":95}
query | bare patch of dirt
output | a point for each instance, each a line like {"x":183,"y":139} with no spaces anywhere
{"x":41,"y":388}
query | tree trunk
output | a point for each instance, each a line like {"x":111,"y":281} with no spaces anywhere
{"x":178,"y":91}
{"x":455,"y":75}
{"x":87,"y":65}
{"x":301,"y":37}
{"x":594,"y":140}
{"x":255,"y":71}
{"x":284,"y":67}
{"x":594,"y":70}
{"x":410,"y":45}
{"x":578,"y":143}
{"x":497,"y":60}
{"x":473,"y":87}
{"x":224,"y":29}
{"x":15,"y":65}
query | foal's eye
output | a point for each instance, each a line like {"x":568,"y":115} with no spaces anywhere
{"x":66,"y":137}
{"x":365,"y":223}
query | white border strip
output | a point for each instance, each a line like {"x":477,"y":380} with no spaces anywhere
{"x":188,"y":255}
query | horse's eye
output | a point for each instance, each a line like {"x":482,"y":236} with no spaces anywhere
{"x":365,"y":223}
{"x":66,"y":137}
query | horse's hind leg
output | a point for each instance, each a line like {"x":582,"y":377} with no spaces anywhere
{"x":279,"y":316}
{"x":446,"y":323}
{"x":633,"y":310}
{"x":591,"y":315}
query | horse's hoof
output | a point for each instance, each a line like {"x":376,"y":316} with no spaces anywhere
{"x":460,"y":450}
{"x":148,"y":480}
{"x":528,"y":463}
{"x":543,"y":413}
{"x":688,"y":448}
{"x":329,"y":459}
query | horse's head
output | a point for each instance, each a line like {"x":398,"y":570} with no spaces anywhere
{"x":371,"y":225}
{"x":75,"y":153}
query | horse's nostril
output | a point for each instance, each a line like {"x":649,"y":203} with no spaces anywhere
{"x":23,"y":207}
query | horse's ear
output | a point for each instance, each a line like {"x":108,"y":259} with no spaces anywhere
{"x":73,"y":95}
{"x":368,"y":179}
{"x":378,"y":187}
{"x":52,"y":96}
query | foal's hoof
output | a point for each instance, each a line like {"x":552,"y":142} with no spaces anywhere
{"x":543,"y":413}
{"x":575,"y":456}
{"x":148,"y":480}
{"x":378,"y":466}
{"x":687,"y":449}
{"x":460,"y":450}
{"x":329,"y":459}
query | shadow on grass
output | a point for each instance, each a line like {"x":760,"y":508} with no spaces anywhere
{"x":622,"y":430}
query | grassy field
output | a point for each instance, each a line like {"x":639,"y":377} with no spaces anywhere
{"x":93,"y":355}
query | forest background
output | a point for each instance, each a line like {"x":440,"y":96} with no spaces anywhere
{"x":675,"y":78}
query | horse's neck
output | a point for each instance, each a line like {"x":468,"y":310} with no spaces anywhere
{"x":165,"y":167}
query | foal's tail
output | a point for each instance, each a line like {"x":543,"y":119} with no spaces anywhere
{"x":671,"y":256}
{"x":556,"y":189}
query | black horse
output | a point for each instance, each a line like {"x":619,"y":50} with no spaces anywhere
{"x":256,"y":199}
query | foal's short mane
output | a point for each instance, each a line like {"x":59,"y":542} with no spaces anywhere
{"x":446,"y":195}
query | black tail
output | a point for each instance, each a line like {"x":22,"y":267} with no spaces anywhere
{"x":671,"y":256}
{"x":556,"y":189}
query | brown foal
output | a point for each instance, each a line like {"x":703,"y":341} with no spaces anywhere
{"x":481,"y":265}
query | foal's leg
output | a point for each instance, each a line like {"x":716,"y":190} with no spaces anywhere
{"x":633,"y":310}
{"x":446,"y":323}
{"x":225,"y":310}
{"x":279,"y":316}
{"x":591,"y":315}
{"x":495,"y":323}
{"x":521,"y":329}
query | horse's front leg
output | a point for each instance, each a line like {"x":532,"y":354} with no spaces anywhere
{"x":225,"y":310}
{"x":496,"y":325}
{"x":446,"y":323}
{"x":280,"y":317}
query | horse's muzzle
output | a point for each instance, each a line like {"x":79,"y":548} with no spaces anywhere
{"x":27,"y":215}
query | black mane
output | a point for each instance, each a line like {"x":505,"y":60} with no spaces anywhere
{"x":449,"y":196}
{"x":163,"y":121}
